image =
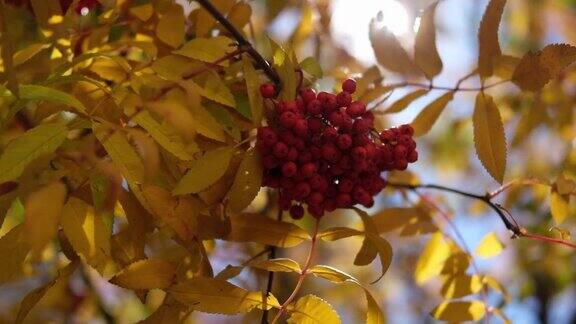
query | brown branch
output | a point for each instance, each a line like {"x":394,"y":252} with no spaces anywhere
{"x":504,"y":215}
{"x":430,"y":86}
{"x":270,"y":282}
{"x":242,"y":41}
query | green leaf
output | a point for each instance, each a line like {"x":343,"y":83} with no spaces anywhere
{"x":425,"y":51}
{"x":311,"y":309}
{"x":432,"y":259}
{"x":253,"y":90}
{"x":218,"y":296}
{"x":428,"y":116}
{"x":37,"y":92}
{"x":490,"y":246}
{"x":205,"y":171}
{"x":277,"y":265}
{"x":459,"y":311}
{"x":247,"y":182}
{"x":207,"y":49}
{"x":38,"y":141}
{"x":489,"y":137}
{"x":265,"y":230}
{"x":312,"y":67}
{"x":489,"y":47}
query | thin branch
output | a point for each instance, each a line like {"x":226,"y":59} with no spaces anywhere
{"x":504,"y":215}
{"x":303,"y":274}
{"x":242,"y":41}
{"x":270,"y":283}
{"x":430,"y":86}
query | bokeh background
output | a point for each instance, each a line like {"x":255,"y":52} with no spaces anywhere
{"x":540,"y":278}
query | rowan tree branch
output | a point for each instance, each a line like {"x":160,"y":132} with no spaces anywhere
{"x":270,"y":283}
{"x":242,"y":41}
{"x":504,"y":214}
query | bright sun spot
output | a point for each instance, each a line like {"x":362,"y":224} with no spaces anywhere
{"x":351,"y":19}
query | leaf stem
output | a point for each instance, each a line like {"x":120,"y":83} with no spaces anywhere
{"x":242,"y":41}
{"x":303,"y":274}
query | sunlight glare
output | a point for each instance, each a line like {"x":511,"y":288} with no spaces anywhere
{"x":351,"y":19}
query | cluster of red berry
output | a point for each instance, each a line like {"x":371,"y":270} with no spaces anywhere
{"x":322,"y":150}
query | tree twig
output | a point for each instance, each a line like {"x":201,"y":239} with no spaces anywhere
{"x":242,"y":41}
{"x":270,"y":282}
{"x":504,"y":215}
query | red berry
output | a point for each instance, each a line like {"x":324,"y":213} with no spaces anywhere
{"x":280,"y":150}
{"x":268,"y":90}
{"x":302,"y":190}
{"x":406,"y":129}
{"x":344,"y":99}
{"x":400,"y":152}
{"x":314,"y":107}
{"x":401,"y":164}
{"x":330,"y":134}
{"x":308,"y":169}
{"x":349,"y":86}
{"x":356,"y":109}
{"x":315,"y":125}
{"x":315,"y":198}
{"x":344,"y":200}
{"x":358,"y":153}
{"x":270,"y":162}
{"x":301,"y":128}
{"x":307,"y":95}
{"x":361,"y":126}
{"x":297,"y":212}
{"x":268,"y":136}
{"x":305,"y":157}
{"x":292,"y":154}
{"x":345,"y":185}
{"x":412,"y":156}
{"x":330,"y":153}
{"x":288,"y":119}
{"x":344,"y":141}
{"x":287,"y":183}
{"x":284,"y":202}
{"x":330,"y":104}
{"x":289,"y":169}
{"x":316,"y":211}
{"x":336,"y":118}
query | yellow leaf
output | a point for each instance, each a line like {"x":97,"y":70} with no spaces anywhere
{"x":179,"y":213}
{"x":215,"y":89}
{"x":164,"y":135}
{"x":265,"y":230}
{"x":403,"y":102}
{"x":311,"y":309}
{"x":42,"y":211}
{"x":495,"y":285}
{"x":109,"y":70}
{"x":505,"y":65}
{"x":432,"y":259}
{"x":489,"y":137}
{"x":425,"y":51}
{"x":240,"y":14}
{"x":428,"y":116}
{"x":41,"y":93}
{"x":389,"y":53}
{"x":564,"y":185}
{"x":371,"y":95}
{"x":218,"y":296}
{"x":253,"y":90}
{"x":459,"y":311}
{"x":122,"y":153}
{"x":277,"y":265}
{"x":13,"y":252}
{"x":40,"y":140}
{"x":390,"y":219}
{"x":535,"y":69}
{"x":377,"y":243}
{"x":559,"y":206}
{"x":207,"y":49}
{"x":490,"y":246}
{"x":204,"y":20}
{"x":374,"y":313}
{"x":456,"y":264}
{"x":366,"y":254}
{"x":229,"y":272}
{"x":146,"y":274}
{"x":171,"y":26}
{"x":247,"y":182}
{"x":205,"y":171}
{"x":28,"y":52}
{"x":337,"y":233}
{"x":460,"y":286}
{"x":304,"y":27}
{"x":489,"y":47}
{"x":36,"y":295}
{"x":86,"y":231}
{"x":142,"y":12}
